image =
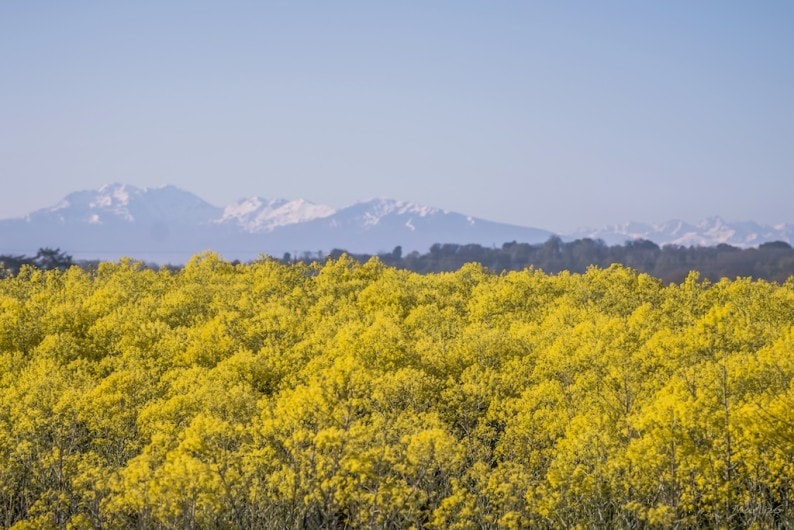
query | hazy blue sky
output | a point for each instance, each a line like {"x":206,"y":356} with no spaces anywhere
{"x":549,"y":114}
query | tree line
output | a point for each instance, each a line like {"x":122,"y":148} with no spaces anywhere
{"x":45,"y":259}
{"x":773,"y":261}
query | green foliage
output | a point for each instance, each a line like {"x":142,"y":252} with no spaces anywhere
{"x":351,"y":394}
{"x":773,"y":261}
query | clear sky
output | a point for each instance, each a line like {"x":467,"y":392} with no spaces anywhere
{"x":548,"y":114}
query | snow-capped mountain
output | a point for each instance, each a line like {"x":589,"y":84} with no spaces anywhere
{"x":256,"y":214}
{"x":115,"y":203}
{"x":168,"y":225}
{"x":709,"y":232}
{"x":379,"y":225}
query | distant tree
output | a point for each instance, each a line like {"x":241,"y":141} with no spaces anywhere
{"x":671,"y":263}
{"x":774,"y":245}
{"x":12,"y":264}
{"x":553,"y":244}
{"x":48,"y":259}
{"x":641,"y":244}
{"x":724,"y":247}
{"x":336,"y":253}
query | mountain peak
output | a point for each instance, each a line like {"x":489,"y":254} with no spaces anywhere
{"x":117,"y":187}
{"x":256,"y":214}
{"x":373,"y":211}
{"x":122,"y":202}
{"x":169,"y":224}
{"x":710,"y":231}
{"x":386,"y":206}
{"x":115,"y":196}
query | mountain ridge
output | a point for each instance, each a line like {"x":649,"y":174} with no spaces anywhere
{"x":711,"y":231}
{"x":169,"y":224}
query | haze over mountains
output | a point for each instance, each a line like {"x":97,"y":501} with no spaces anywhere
{"x":168,"y":225}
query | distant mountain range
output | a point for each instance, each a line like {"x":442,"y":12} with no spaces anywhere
{"x":707,"y":233}
{"x":168,"y":225}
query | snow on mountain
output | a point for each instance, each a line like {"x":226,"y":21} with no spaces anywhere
{"x":174,"y":205}
{"x":124,"y":203}
{"x":376,"y":209}
{"x":168,"y":225}
{"x":708,"y":232}
{"x":256,"y":214}
{"x":372,"y":212}
{"x":380,"y":224}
